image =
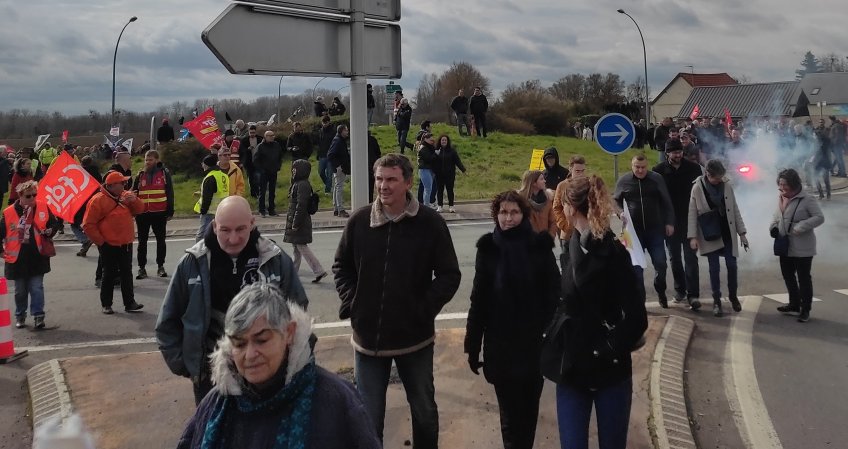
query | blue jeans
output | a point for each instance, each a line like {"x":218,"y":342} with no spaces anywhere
{"x":416,"y":373}
{"x":370,"y":116}
{"x":79,"y":234}
{"x":654,"y":243}
{"x":32,"y":288}
{"x":326,"y":174}
{"x":427,"y":179}
{"x":205,"y":221}
{"x":715,"y":268}
{"x":612,"y":412}
{"x":839,"y":159}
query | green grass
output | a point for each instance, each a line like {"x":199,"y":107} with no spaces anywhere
{"x":494,"y":164}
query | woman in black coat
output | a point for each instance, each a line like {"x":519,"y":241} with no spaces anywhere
{"x":607,"y":320}
{"x":298,"y":221}
{"x":448,"y":162}
{"x":515,"y":291}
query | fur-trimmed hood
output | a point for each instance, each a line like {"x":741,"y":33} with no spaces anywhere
{"x":224,"y":374}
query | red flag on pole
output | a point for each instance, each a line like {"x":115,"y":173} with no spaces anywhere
{"x":695,"y":112}
{"x":728,"y":121}
{"x":205,"y":129}
{"x":66,"y":187}
{"x":65,"y":136}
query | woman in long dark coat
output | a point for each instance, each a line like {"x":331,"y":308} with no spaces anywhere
{"x":299,"y":222}
{"x":515,"y":291}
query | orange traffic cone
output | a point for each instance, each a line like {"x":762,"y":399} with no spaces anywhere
{"x":7,"y":346}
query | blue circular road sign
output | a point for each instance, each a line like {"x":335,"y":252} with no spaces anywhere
{"x":615,"y":133}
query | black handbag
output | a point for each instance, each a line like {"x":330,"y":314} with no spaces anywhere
{"x":557,"y":355}
{"x":710,"y":221}
{"x":781,"y":242}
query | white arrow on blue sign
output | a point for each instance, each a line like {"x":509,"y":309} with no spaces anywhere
{"x":615,"y":133}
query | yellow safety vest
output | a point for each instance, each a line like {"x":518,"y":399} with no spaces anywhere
{"x":222,"y":183}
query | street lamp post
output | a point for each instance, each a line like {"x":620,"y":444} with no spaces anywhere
{"x":279,"y":94}
{"x":645,"y":57}
{"x":115,"y":60}
{"x":316,"y":86}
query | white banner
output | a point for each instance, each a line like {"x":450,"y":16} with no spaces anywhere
{"x":128,"y":144}
{"x":115,"y":131}
{"x":40,"y":141}
{"x":631,"y":240}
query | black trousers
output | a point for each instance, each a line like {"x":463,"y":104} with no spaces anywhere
{"x":442,"y":183}
{"x":117,"y":260}
{"x":480,"y":124}
{"x":799,"y":281}
{"x":518,"y":402}
{"x":202,"y":384}
{"x":267,"y":185}
{"x":157,"y":221}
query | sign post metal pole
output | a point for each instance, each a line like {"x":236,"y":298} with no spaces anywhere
{"x":358,"y":109}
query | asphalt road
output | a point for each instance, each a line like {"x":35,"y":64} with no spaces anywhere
{"x":754,"y":379}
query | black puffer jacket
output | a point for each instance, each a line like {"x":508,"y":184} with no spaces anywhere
{"x":602,"y":286}
{"x":448,"y":162}
{"x":298,"y":221}
{"x":511,"y":326}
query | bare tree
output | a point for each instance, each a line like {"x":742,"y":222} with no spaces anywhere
{"x":570,"y":88}
{"x":636,"y":90}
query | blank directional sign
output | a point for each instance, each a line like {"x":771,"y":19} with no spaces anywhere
{"x":615,"y":133}
{"x":374,"y":9}
{"x":268,"y":40}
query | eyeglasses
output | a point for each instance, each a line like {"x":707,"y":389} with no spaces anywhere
{"x":509,"y":213}
{"x":31,"y":195}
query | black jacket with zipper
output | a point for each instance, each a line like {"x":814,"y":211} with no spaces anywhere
{"x":648,"y":201}
{"x":394,"y":276}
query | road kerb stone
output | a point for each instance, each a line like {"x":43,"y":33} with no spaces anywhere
{"x":48,"y":392}
{"x":667,"y":384}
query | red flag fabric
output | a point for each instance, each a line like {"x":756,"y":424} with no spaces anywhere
{"x":695,"y":112}
{"x":205,"y":129}
{"x":66,"y":187}
{"x":65,"y":136}
{"x":728,"y":121}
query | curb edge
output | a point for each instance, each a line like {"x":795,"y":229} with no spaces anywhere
{"x":669,"y":359}
{"x":48,"y":392}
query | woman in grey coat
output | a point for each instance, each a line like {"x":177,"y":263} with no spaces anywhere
{"x":797,"y":215}
{"x":298,"y":221}
{"x":712,"y":192}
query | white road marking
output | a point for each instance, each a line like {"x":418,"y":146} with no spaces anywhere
{"x":151,"y":340}
{"x":741,"y":386}
{"x":842,"y":292}
{"x":783,"y":298}
{"x":152,"y":241}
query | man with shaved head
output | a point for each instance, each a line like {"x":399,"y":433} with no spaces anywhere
{"x":231,"y":256}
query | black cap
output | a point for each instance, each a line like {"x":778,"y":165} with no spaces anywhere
{"x":210,"y":160}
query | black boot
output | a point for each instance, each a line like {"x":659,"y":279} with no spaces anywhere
{"x":694,"y":304}
{"x":717,"y":308}
{"x":804,"y":316}
{"x":39,"y":321}
{"x":734,"y":302}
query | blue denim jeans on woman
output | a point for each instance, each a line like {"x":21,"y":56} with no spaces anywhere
{"x":612,"y":412}
{"x":427,"y":180}
{"x":416,"y":374}
{"x":31,"y":288}
{"x":325,"y":171}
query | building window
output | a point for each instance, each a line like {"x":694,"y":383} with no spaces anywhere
{"x":815,"y":91}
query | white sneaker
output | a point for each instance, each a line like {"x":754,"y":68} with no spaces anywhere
{"x":452,"y":210}
{"x":438,"y":208}
{"x":432,"y":206}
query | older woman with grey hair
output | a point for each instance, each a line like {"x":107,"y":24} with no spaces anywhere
{"x":269,"y":393}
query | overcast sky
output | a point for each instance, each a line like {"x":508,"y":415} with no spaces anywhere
{"x":57,"y":54}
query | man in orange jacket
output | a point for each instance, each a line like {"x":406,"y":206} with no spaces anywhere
{"x":108,"y":222}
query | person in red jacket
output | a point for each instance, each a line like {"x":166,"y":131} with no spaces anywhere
{"x":108,"y":222}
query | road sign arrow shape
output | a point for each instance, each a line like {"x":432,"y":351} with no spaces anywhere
{"x":621,"y":133}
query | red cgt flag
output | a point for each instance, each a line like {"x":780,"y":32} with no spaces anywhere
{"x":66,"y":187}
{"x":695,"y":112}
{"x":205,"y":129}
{"x":65,"y":135}
{"x":728,"y":121}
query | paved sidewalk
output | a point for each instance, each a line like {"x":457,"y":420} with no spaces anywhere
{"x":132,"y":401}
{"x":323,"y":219}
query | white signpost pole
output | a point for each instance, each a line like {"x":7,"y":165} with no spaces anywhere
{"x":358,"y":108}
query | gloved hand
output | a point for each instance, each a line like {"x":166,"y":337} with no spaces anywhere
{"x":474,"y":363}
{"x":774,"y":233}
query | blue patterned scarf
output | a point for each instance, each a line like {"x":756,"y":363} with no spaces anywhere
{"x":293,"y":431}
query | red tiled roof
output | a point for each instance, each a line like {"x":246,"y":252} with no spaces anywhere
{"x":707,"y":79}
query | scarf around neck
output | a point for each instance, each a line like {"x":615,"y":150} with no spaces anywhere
{"x":293,"y":429}
{"x":513,"y":271}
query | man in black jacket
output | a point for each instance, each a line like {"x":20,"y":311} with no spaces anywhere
{"x":165,"y":133}
{"x":554,"y":172}
{"x":661,"y":135}
{"x":653,"y":217}
{"x":479,"y":105}
{"x":395,"y":268}
{"x":267,"y":160}
{"x":370,"y":104}
{"x":339,"y":158}
{"x":326,"y":134}
{"x":247,"y":148}
{"x":459,"y":106}
{"x":679,"y":174}
{"x":299,"y":143}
